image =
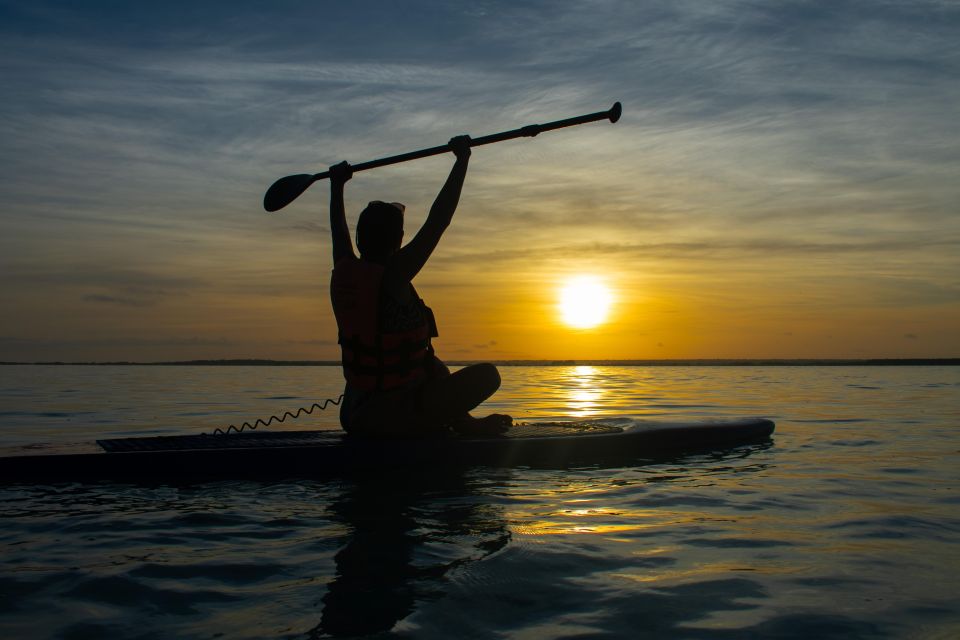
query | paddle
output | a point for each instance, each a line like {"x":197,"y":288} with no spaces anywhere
{"x":286,"y":190}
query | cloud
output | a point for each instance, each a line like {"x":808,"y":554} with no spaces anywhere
{"x":132,"y":282}
{"x":125,"y":302}
{"x":721,"y":250}
{"x":315,"y":343}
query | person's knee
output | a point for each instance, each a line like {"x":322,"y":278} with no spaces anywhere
{"x":489,"y":376}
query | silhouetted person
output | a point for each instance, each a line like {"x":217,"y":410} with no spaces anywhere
{"x":396,"y":386}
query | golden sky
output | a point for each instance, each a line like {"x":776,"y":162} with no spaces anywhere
{"x":782,"y":183}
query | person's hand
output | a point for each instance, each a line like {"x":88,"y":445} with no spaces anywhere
{"x":460,"y":146}
{"x":341,"y":173}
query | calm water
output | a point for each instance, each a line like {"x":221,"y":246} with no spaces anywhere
{"x":846,"y":525}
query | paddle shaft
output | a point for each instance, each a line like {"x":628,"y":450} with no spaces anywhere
{"x":286,"y":190}
{"x":612,"y":114}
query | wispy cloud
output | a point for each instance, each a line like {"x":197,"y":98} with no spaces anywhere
{"x":105,"y":299}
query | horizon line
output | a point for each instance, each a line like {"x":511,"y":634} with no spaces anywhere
{"x":541,"y":363}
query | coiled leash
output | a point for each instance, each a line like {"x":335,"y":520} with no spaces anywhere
{"x":286,"y":414}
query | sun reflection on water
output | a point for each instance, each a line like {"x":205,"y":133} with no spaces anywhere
{"x":584,"y":391}
{"x":582,"y":508}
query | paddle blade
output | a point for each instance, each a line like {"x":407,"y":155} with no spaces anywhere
{"x":286,"y":190}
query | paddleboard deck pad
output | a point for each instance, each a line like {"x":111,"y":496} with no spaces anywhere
{"x":272,"y":453}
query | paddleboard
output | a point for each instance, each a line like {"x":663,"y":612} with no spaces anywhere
{"x":279,"y":453}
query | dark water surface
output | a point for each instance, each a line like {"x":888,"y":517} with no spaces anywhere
{"x":846,"y":525}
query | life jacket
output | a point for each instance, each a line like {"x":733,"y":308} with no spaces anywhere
{"x":376,"y":357}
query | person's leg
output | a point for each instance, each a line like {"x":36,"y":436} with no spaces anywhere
{"x":448,"y":399}
{"x":443,"y":402}
{"x":392,"y":414}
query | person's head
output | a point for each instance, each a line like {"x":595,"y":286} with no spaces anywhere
{"x":380,"y":229}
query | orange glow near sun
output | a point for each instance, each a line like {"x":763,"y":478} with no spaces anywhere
{"x":584,"y":302}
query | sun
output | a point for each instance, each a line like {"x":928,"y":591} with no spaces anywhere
{"x":584,"y":302}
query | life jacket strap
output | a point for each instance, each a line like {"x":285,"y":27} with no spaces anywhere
{"x":373,"y":366}
{"x":360,"y":348}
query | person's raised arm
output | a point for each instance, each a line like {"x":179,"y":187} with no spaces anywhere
{"x":342,"y":245}
{"x":408,"y":261}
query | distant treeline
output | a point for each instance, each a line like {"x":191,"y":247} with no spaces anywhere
{"x":750,"y":362}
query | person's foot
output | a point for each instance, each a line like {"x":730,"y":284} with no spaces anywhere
{"x":491,"y":425}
